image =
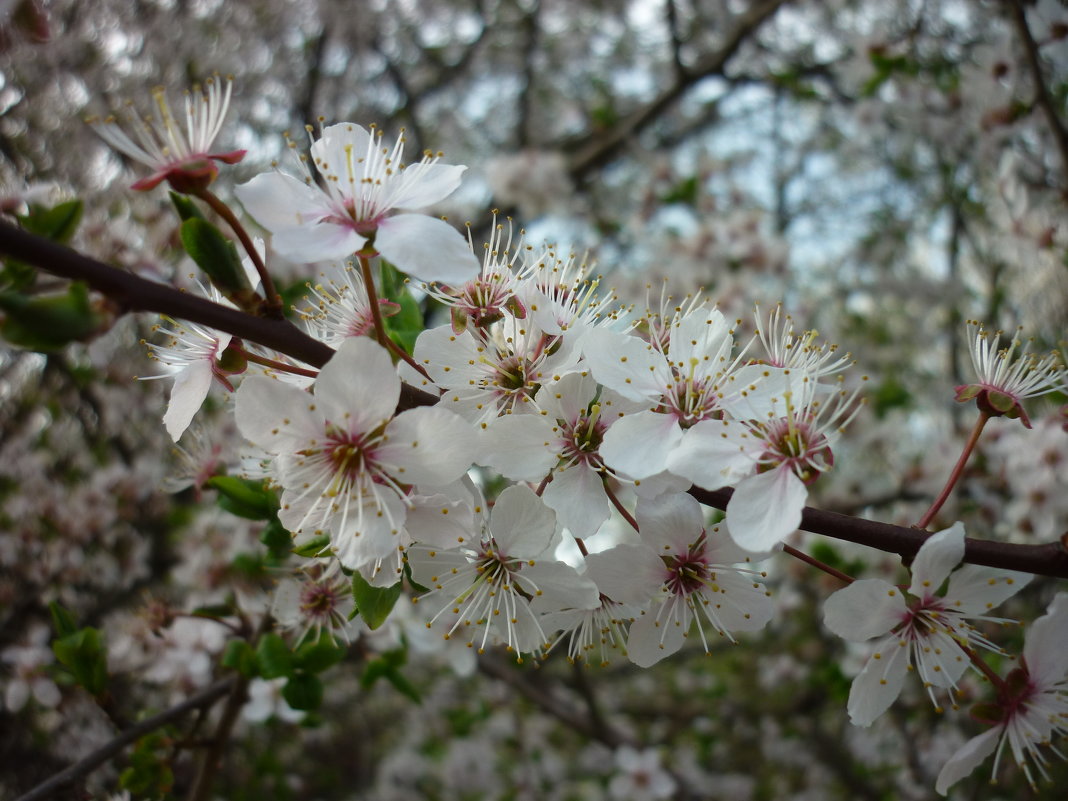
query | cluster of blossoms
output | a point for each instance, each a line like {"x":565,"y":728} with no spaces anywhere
{"x":587,"y":406}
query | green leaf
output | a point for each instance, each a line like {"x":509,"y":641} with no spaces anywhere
{"x":84,"y":655}
{"x":387,"y":667}
{"x":374,"y":603}
{"x":405,"y":325}
{"x":313,"y":547}
{"x":185,"y":207}
{"x":57,"y":223}
{"x":303,"y":691}
{"x":240,"y":656}
{"x":685,"y":191}
{"x":215,"y":255}
{"x":213,"y":611}
{"x":63,"y":621}
{"x":48,"y":322}
{"x":245,"y":497}
{"x":316,"y":657}
{"x":276,"y":537}
{"x":274,"y":657}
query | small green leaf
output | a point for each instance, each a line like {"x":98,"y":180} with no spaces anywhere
{"x":374,"y":603}
{"x":215,"y":255}
{"x":63,"y":621}
{"x":303,"y":691}
{"x":318,"y":656}
{"x":245,"y":497}
{"x":313,"y":547}
{"x":240,"y":656}
{"x":48,"y":322}
{"x":387,"y":667}
{"x":57,"y":223}
{"x":185,"y":207}
{"x":84,"y":655}
{"x":276,"y":537}
{"x":274,"y":657}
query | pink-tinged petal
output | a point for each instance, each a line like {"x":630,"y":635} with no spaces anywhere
{"x":628,"y":574}
{"x":1046,"y":645}
{"x":190,"y":389}
{"x":976,"y":589}
{"x":422,"y":185}
{"x":670,"y":523}
{"x":938,"y":555}
{"x":430,"y":446}
{"x":555,"y":586}
{"x":715,"y":453}
{"x":321,"y":241}
{"x":765,"y":509}
{"x":519,"y":446}
{"x":426,"y":248}
{"x":359,"y":387}
{"x":521,"y":524}
{"x":649,"y":641}
{"x":967,"y":758}
{"x":277,"y":417}
{"x":577,"y":496}
{"x":626,"y":364}
{"x":639,"y":445}
{"x":276,"y":201}
{"x":879,"y":684}
{"x":866,"y":608}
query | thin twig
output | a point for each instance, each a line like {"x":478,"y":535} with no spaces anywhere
{"x":209,"y":695}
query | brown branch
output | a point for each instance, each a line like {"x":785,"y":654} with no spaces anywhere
{"x":605,"y":146}
{"x":1042,"y":95}
{"x":136,"y":294}
{"x":206,"y":697}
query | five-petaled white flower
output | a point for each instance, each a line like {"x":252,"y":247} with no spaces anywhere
{"x":928,"y":633}
{"x":347,"y":466}
{"x":363,"y":184}
{"x":1031,"y":708}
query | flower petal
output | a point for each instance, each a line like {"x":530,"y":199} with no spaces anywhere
{"x":639,"y":444}
{"x":765,"y":509}
{"x":190,"y":388}
{"x":277,"y":417}
{"x":967,"y":758}
{"x":430,"y":446}
{"x":865,"y":609}
{"x":878,"y":685}
{"x":359,"y":387}
{"x":936,"y":558}
{"x":521,"y":524}
{"x":426,"y":248}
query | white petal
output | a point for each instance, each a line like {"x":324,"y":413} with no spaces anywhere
{"x":766,"y":508}
{"x":521,"y":524}
{"x":439,"y":521}
{"x":430,"y":446}
{"x":639,"y":445}
{"x":865,"y":609}
{"x":426,"y":248}
{"x":1046,"y":645}
{"x":341,"y":145}
{"x":577,"y":496}
{"x":358,"y":539}
{"x":879,"y":683}
{"x":277,"y":201}
{"x":669,"y":523}
{"x":976,"y":589}
{"x":519,"y":446}
{"x":426,"y":184}
{"x":628,"y":574}
{"x":938,"y":555}
{"x":701,"y":333}
{"x":967,"y":759}
{"x":275,"y":416}
{"x":649,"y":642}
{"x":190,"y":388}
{"x":625,"y":363}
{"x":317,"y":241}
{"x":556,"y":586}
{"x":359,"y":387}
{"x":715,"y":453}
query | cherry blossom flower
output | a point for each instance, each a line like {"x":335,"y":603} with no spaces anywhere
{"x":1007,"y":379}
{"x":928,"y":632}
{"x":311,"y":604}
{"x":684,"y":374}
{"x":800,"y":353}
{"x":499,"y":583}
{"x":1031,"y":707}
{"x":179,"y":154}
{"x":700,"y":582}
{"x":641,"y":776}
{"x":363,"y":183}
{"x":347,"y":466}
{"x":339,"y":307}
